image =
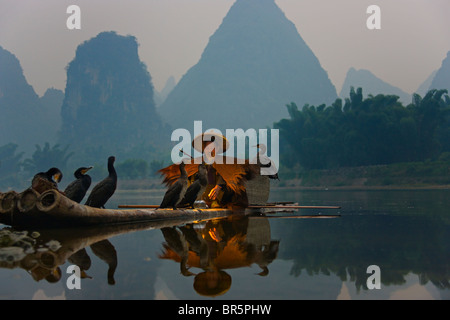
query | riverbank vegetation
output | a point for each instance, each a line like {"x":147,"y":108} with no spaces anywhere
{"x":426,"y":174}
{"x":359,"y":143}
{"x":377,"y":130}
{"x":367,"y":142}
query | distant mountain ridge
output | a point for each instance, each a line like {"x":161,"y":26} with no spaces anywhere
{"x":26,"y":119}
{"x":160,"y":97}
{"x":371,"y":84}
{"x":109,"y":106}
{"x":254,"y":64}
{"x":442,"y":78}
{"x":425,"y":86}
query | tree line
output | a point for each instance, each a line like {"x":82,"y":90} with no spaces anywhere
{"x":366,"y":131}
{"x":16,"y":172}
{"x":355,"y":132}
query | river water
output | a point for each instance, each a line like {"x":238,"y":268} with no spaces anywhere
{"x":403,"y":233}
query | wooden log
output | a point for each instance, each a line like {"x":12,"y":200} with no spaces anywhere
{"x":26,"y":200}
{"x":8,"y":202}
{"x":138,"y":206}
{"x":8,"y":207}
{"x":56,"y":207}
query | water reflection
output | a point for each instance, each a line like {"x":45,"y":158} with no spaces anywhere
{"x":42,"y":253}
{"x":404,"y":233}
{"x":211,"y":247}
{"x":216,"y":246}
{"x":103,"y":250}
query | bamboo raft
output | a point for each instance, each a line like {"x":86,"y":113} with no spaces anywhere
{"x":51,"y":208}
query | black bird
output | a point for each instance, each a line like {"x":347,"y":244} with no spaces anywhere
{"x":196,"y":188}
{"x":77,"y":189}
{"x":104,"y":190}
{"x":44,"y":181}
{"x":176,"y":191}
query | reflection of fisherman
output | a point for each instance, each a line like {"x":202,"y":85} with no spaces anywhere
{"x":216,"y":246}
{"x":226,"y":177}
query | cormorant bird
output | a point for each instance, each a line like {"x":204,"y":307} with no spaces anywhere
{"x":196,"y":188}
{"x":268,"y":167}
{"x":77,"y":189}
{"x":176,"y":191}
{"x":103,"y":190}
{"x":105,"y":250}
{"x":44,"y":181}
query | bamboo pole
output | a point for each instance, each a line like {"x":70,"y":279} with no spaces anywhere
{"x":300,"y":217}
{"x":250,"y":207}
{"x":294,"y":207}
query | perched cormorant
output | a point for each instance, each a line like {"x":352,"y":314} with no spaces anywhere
{"x":196,"y":188}
{"x":103,"y":190}
{"x":44,"y":181}
{"x":234,"y":172}
{"x":176,"y":191}
{"x":77,"y":189}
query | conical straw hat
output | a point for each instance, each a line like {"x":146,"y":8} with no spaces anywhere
{"x":220,"y":141}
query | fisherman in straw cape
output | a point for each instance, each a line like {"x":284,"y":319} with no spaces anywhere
{"x":226,"y":177}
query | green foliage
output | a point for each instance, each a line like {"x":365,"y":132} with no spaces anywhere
{"x":133,"y":169}
{"x":45,"y":158}
{"x":372,"y":131}
{"x":9,"y":164}
{"x":156,"y":165}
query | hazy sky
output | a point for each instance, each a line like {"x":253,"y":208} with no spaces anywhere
{"x":413,"y":40}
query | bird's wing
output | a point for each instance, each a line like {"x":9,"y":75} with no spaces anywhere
{"x":236,"y":174}
{"x":101,"y":192}
{"x":172,"y":195}
{"x":172,"y":172}
{"x":191,"y":193}
{"x":269,"y":169}
{"x":233,"y":173}
{"x":73,"y":188}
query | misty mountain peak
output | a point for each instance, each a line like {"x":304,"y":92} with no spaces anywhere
{"x":254,"y":64}
{"x":11,"y":75}
{"x":23,"y":119}
{"x":371,"y":84}
{"x":108,"y":98}
{"x":442,"y":78}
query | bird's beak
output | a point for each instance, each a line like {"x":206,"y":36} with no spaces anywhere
{"x":257,"y":146}
{"x":57,"y":177}
{"x":86,"y":170}
{"x":84,"y":275}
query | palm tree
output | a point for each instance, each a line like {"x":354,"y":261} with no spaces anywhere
{"x":47,"y":157}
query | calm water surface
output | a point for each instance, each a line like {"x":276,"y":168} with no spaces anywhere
{"x":405,"y":233}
